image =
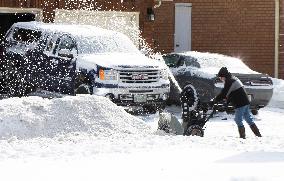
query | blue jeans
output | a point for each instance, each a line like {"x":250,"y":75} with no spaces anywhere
{"x":243,"y":112}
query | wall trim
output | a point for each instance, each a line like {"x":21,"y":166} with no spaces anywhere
{"x":36,"y":11}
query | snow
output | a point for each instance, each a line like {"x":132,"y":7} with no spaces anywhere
{"x":80,"y":30}
{"x":32,"y":117}
{"x":215,"y":61}
{"x":277,"y":99}
{"x":90,"y":138}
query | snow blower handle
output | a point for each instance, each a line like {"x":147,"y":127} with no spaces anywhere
{"x":212,"y":102}
{"x":214,"y":107}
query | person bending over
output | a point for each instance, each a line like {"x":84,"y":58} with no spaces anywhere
{"x":235,"y":93}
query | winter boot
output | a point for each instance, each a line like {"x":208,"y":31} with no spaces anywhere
{"x":255,"y":130}
{"x":242,"y":132}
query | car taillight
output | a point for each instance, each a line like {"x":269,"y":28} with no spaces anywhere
{"x":266,"y":80}
{"x":263,"y":81}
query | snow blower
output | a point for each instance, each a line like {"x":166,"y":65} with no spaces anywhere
{"x":194,"y":116}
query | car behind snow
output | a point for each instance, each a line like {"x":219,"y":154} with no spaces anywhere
{"x":200,"y":70}
{"x":74,"y":59}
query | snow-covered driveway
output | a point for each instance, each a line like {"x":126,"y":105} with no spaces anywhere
{"x":89,"y":138}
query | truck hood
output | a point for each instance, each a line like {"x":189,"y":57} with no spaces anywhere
{"x":117,"y":61}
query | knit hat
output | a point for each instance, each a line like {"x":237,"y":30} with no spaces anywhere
{"x":223,"y":72}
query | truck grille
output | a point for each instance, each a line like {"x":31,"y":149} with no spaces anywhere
{"x":139,"y":76}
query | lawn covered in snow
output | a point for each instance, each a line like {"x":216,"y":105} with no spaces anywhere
{"x":90,"y":138}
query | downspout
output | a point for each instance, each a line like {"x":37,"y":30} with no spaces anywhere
{"x":159,"y":3}
{"x":276,"y":51}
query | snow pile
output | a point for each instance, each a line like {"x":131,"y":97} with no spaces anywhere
{"x":37,"y":117}
{"x":277,"y":99}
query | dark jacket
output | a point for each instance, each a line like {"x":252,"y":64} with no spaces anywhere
{"x":233,"y":92}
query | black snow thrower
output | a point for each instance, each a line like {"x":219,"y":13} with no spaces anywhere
{"x":194,"y":116}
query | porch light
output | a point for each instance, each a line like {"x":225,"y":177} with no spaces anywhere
{"x":150,"y":14}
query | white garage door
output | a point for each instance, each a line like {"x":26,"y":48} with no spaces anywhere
{"x":124,"y":22}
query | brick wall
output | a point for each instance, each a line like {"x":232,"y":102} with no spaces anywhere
{"x":164,"y":27}
{"x":281,"y":42}
{"x":242,"y":28}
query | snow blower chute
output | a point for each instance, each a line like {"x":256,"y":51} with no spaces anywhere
{"x":194,"y":116}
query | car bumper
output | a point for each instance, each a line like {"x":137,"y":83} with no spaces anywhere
{"x":135,"y":96}
{"x":259,"y":97}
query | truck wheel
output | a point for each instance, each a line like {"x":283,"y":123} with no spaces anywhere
{"x":16,"y":85}
{"x":83,"y":89}
{"x":254,"y":111}
{"x":194,"y":130}
{"x":149,"y":109}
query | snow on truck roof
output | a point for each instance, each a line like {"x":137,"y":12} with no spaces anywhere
{"x":76,"y":30}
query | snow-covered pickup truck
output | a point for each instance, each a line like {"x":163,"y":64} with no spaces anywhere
{"x":76,"y":59}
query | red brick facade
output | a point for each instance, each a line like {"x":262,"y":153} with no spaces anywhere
{"x":242,"y":28}
{"x":281,"y":41}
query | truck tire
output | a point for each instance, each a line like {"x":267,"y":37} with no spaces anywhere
{"x":16,"y":85}
{"x":83,"y":89}
{"x":150,"y":109}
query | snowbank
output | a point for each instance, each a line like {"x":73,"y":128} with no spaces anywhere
{"x":277,"y":99}
{"x":37,"y":117}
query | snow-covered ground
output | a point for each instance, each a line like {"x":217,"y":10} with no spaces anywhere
{"x":90,"y":138}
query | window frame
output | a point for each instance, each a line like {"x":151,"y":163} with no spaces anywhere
{"x":35,"y":34}
{"x":59,"y":41}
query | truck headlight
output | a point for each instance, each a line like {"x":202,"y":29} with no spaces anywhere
{"x":164,"y":74}
{"x":110,"y":74}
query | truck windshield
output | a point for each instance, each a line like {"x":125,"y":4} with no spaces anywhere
{"x":106,"y":44}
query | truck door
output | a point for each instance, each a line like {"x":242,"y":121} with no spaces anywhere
{"x":60,"y":64}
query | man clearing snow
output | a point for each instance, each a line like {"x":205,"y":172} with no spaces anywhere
{"x":235,"y":93}
{"x":194,"y":117}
